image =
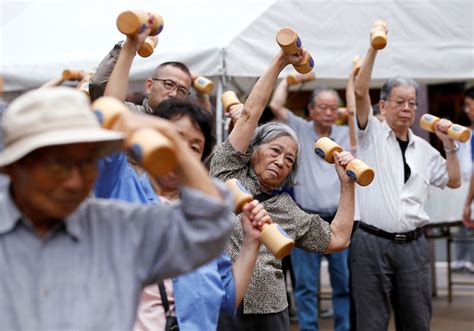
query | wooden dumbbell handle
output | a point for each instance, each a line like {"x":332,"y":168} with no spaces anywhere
{"x":356,"y":169}
{"x":456,"y":132}
{"x":229,"y":99}
{"x":272,"y":236}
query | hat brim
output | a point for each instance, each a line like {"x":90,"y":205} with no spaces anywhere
{"x":109,"y":142}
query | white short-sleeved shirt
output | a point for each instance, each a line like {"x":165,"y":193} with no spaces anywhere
{"x":388,"y":203}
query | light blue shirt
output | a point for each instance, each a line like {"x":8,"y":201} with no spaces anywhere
{"x":3,"y":178}
{"x":87,"y":272}
{"x":199,"y":295}
{"x":317,"y":187}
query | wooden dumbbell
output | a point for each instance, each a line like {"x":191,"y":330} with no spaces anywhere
{"x":155,"y":152}
{"x":148,"y":46}
{"x":356,"y":169}
{"x":203,"y":85}
{"x":295,"y":78}
{"x":342,"y":114}
{"x":272,"y":235}
{"x":455,"y":131}
{"x":73,"y":74}
{"x":132,"y":23}
{"x":378,"y":38}
{"x":229,"y":99}
{"x":290,"y":43}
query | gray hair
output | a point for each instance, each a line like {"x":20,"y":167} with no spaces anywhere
{"x":270,"y":131}
{"x":390,"y":84}
{"x":320,"y":89}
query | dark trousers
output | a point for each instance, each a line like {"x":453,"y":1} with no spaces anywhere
{"x":387,"y":274}
{"x":254,"y":322}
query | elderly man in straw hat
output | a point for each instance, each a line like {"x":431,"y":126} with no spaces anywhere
{"x":68,"y":262}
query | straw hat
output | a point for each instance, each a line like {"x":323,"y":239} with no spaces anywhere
{"x":52,"y":116}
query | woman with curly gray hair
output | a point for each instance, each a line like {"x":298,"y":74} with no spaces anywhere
{"x":264,"y":160}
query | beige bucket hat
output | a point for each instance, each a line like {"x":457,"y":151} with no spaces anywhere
{"x":49,"y":117}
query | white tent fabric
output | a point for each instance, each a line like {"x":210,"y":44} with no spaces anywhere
{"x":430,"y":40}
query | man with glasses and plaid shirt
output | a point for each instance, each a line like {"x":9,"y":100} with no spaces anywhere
{"x":390,"y":263}
{"x":168,"y":80}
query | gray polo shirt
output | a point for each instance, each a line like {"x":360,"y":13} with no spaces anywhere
{"x":88,"y":272}
{"x":317,"y":186}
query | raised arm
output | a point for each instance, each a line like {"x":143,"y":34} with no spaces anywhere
{"x":362,"y":86}
{"x":117,"y":86}
{"x":53,"y":82}
{"x":242,"y":133}
{"x":191,"y":171}
{"x":277,"y":104}
{"x":253,"y":217}
{"x":351,"y":106}
{"x":341,"y":226}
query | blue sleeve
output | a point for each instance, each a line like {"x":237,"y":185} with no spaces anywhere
{"x":117,"y":180}
{"x":111,"y":168}
{"x":224,"y":265}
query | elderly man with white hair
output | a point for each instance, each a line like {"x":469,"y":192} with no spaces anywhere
{"x":72,"y":263}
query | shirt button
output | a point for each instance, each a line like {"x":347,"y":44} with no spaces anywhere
{"x":45,"y":292}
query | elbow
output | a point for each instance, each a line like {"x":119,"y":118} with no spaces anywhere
{"x":360,"y":93}
{"x":454,"y":182}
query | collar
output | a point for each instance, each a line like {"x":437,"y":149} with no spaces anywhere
{"x":331,"y":133}
{"x":389,"y":133}
{"x":9,"y":213}
{"x":10,"y":216}
{"x":147,"y":107}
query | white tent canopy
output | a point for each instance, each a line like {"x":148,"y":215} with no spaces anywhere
{"x":430,"y":40}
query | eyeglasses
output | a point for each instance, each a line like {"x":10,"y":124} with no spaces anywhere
{"x":401,"y":103}
{"x":170,"y":85}
{"x":61,"y":168}
{"x":326,"y":107}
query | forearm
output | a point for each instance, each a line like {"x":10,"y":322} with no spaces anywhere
{"x":204,"y":102}
{"x":254,"y":106}
{"x":117,"y":85}
{"x":194,"y":175}
{"x":351,"y":109}
{"x":454,"y":170}
{"x":341,"y":226}
{"x":243,"y":267}
{"x":262,"y":90}
{"x":470,"y":194}
{"x":362,"y":86}
{"x":277,"y":103}
{"x":53,"y":82}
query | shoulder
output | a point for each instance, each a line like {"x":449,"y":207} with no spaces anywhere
{"x":423,"y":145}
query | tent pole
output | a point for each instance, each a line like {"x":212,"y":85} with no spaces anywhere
{"x":219,"y":113}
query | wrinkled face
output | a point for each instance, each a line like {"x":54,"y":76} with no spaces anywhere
{"x":469,"y":108}
{"x":273,"y":161}
{"x":51,"y":182}
{"x":400,"y":108}
{"x":324,"y":110}
{"x":168,"y":82}
{"x":195,"y":140}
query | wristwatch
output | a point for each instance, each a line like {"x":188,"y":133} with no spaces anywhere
{"x":453,"y":150}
